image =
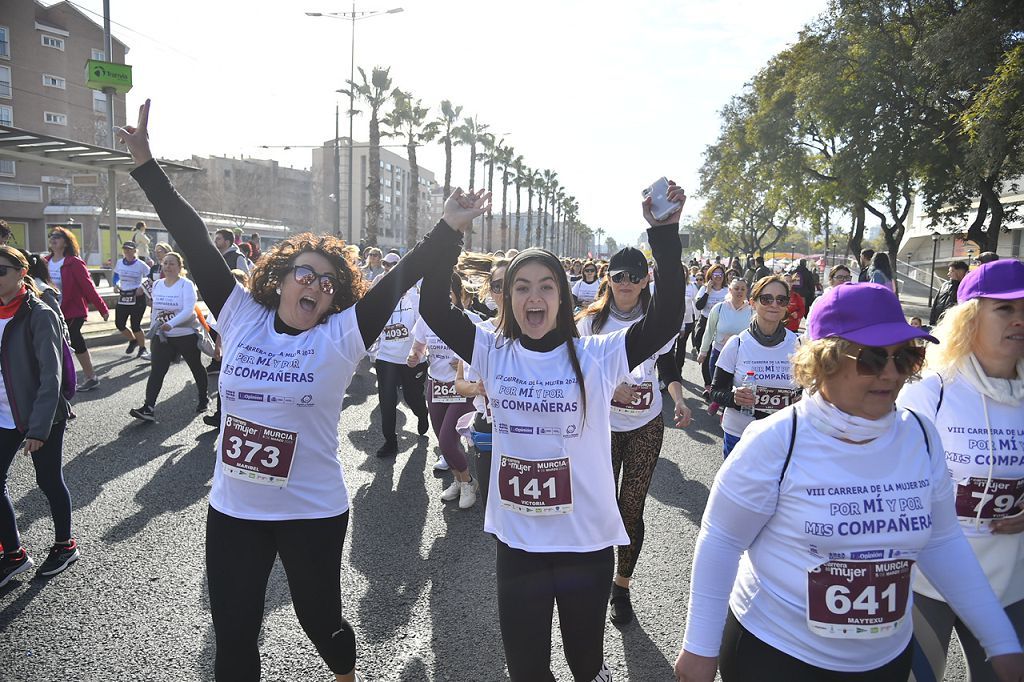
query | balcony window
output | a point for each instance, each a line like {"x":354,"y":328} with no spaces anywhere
{"x":5,"y":82}
{"x":5,"y":42}
{"x":6,"y":115}
{"x":54,"y":118}
{"x":7,"y":168}
{"x":98,"y":55}
{"x":12,"y":192}
{"x":52,"y":81}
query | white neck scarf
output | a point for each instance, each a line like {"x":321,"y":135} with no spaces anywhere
{"x":1006,"y":391}
{"x":832,"y":421}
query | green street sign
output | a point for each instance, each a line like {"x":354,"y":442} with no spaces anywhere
{"x":100,"y":75}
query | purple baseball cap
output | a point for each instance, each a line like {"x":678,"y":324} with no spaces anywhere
{"x":1002,"y":279}
{"x":865,"y":313}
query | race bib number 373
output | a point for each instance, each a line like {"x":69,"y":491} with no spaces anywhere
{"x":257,"y":453}
{"x":858,"y":599}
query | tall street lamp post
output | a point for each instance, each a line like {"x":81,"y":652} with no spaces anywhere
{"x":352,"y":16}
{"x":931,"y":280}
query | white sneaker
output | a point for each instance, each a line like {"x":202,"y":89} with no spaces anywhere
{"x":452,"y":491}
{"x":467,"y":494}
{"x":441,"y":465}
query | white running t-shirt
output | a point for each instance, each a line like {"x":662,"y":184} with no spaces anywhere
{"x":773,"y":375}
{"x":395,"y":341}
{"x":839,"y":503}
{"x":586,"y":293}
{"x":281,"y":402}
{"x":647,"y":404}
{"x":54,"y":266}
{"x":552,"y":488}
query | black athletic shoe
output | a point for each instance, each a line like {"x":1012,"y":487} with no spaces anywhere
{"x":389,"y":449}
{"x":202,"y":407}
{"x":212,"y":420}
{"x":423,"y":425}
{"x":144,"y":413}
{"x":131,"y":347}
{"x":61,"y":556}
{"x":13,"y":564}
{"x":213,"y":367}
{"x":622,"y":607}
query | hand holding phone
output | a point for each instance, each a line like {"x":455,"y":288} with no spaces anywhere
{"x":663,"y":200}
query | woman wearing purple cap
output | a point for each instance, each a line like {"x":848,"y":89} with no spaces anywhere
{"x":826,"y":506}
{"x":975,"y":395}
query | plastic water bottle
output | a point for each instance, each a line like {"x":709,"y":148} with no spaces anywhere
{"x":748,"y":382}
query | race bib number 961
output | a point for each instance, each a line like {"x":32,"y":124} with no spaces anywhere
{"x":772,"y":399}
{"x":257,"y":453}
{"x":535,"y":486}
{"x":858,"y":599}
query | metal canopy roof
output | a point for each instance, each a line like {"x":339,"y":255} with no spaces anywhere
{"x":26,"y":145}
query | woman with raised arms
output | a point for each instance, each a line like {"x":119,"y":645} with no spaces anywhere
{"x":552,"y":503}
{"x":294,"y":338}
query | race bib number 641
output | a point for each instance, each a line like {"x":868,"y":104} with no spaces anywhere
{"x":257,"y":453}
{"x":858,"y":599}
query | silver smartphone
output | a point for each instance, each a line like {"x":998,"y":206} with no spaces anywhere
{"x":661,"y":207}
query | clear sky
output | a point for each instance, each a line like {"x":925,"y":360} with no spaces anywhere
{"x":609,"y":96}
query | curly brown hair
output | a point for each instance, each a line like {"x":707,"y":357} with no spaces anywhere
{"x":274,"y":264}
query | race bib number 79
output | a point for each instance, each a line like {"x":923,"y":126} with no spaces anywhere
{"x":257,"y":453}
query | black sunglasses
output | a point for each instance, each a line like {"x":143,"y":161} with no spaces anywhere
{"x":306,"y":275}
{"x":633,"y":279}
{"x":589,"y":270}
{"x":4,"y":269}
{"x":871,"y":360}
{"x":496,"y":285}
{"x":768,"y":299}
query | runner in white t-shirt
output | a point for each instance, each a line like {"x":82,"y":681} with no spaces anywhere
{"x":390,"y":362}
{"x":129,"y":274}
{"x":552,"y":493}
{"x":827,"y":506}
{"x":638,"y":428}
{"x":975,"y":396}
{"x":585,"y":289}
{"x":444,"y":403}
{"x":467,"y":379}
{"x":764,"y":348}
{"x":291,"y":345}
{"x":711,"y":294}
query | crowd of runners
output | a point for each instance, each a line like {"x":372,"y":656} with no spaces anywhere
{"x":869,"y":504}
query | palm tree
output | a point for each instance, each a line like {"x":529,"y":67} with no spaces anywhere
{"x":408,"y":119}
{"x":520,"y":172}
{"x":532,"y":183}
{"x":445,"y":123}
{"x":490,"y":147}
{"x":375,"y":92}
{"x":548,"y":184}
{"x":503,"y":156}
{"x":470,"y":133}
{"x":599,"y":232}
{"x":557,"y":241}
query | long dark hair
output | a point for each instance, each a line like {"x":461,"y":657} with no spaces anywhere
{"x":70,"y":242}
{"x":565,"y":325}
{"x":880,"y":262}
{"x":601,"y":308}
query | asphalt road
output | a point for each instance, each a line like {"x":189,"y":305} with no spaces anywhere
{"x":418,"y":574}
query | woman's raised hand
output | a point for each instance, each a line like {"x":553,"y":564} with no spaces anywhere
{"x":461,"y":209}
{"x":136,"y":137}
{"x":675,"y":193}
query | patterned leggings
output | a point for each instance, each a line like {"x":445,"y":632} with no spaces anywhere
{"x":635,"y":453}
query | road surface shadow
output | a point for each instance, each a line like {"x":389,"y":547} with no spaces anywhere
{"x":644,"y":661}
{"x":386,"y":534}
{"x":670,"y":487}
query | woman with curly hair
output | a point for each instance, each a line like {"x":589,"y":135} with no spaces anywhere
{"x":975,"y":395}
{"x":290,"y":344}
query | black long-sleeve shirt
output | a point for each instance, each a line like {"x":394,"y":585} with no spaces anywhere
{"x":644,"y":338}
{"x":215,"y":281}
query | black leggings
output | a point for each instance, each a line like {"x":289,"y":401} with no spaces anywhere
{"x":163,"y":352}
{"x":391,"y":375}
{"x":635,"y":454}
{"x":529,"y":585}
{"x":49,"y":478}
{"x":698,"y":331}
{"x":75,"y":334}
{"x":130,"y":313}
{"x":744,"y":657}
{"x":239,"y":557}
{"x":684,"y":336}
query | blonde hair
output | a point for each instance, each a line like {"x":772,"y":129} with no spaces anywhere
{"x":955,"y":331}
{"x":815,"y":361}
